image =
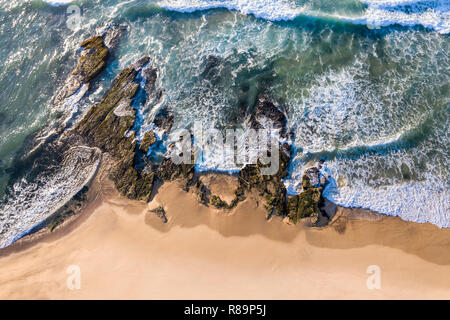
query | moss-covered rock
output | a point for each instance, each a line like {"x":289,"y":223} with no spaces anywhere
{"x":102,"y":127}
{"x":270,"y":187}
{"x":92,"y":61}
{"x":169,"y":171}
{"x":218,"y":203}
{"x":148,"y":140}
{"x":307,"y":204}
{"x":200,"y":192}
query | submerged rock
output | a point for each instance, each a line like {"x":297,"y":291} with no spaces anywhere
{"x":164,"y":121}
{"x":267,"y":114}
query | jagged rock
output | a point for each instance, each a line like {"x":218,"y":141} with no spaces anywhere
{"x":164,"y":120}
{"x":150,"y":75}
{"x":310,"y":201}
{"x":111,"y":35}
{"x":200,"y":192}
{"x":313,"y":178}
{"x":218,"y":203}
{"x":92,"y":61}
{"x":160,"y":213}
{"x":148,"y":140}
{"x":307,"y":204}
{"x":169,"y":171}
{"x":102,"y":128}
{"x":266,"y":113}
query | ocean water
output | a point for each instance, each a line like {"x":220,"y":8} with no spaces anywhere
{"x":365,"y":85}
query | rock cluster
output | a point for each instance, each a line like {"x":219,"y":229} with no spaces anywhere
{"x":109,"y":125}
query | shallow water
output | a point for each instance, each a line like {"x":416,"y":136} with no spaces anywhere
{"x":365,"y":85}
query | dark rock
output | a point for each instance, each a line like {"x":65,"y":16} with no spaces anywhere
{"x":267,"y":115}
{"x":305,"y":205}
{"x":111,"y":35}
{"x":211,"y":69}
{"x":200,"y":192}
{"x":160,"y":213}
{"x":96,"y":51}
{"x":218,"y":203}
{"x":91,"y":63}
{"x":266,"y":112}
{"x":310,"y":202}
{"x":148,"y":140}
{"x":150,"y":75}
{"x":169,"y":171}
{"x":164,"y":120}
{"x":103,"y":128}
{"x":313,"y":178}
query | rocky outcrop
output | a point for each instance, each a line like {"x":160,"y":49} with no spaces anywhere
{"x":160,"y":213}
{"x":266,"y":115}
{"x":164,"y":121}
{"x":96,"y":51}
{"x":271,"y":187}
{"x":148,"y":140}
{"x":103,"y":128}
{"x":109,"y":125}
{"x":309,"y":202}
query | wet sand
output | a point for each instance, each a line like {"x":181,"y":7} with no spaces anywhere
{"x":125,"y":252}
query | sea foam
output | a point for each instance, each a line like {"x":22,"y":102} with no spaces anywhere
{"x":434,"y":15}
{"x":34,"y":199}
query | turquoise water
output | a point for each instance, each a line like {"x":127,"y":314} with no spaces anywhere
{"x":365,"y":85}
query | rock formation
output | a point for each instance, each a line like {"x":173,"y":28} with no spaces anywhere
{"x":93,"y":59}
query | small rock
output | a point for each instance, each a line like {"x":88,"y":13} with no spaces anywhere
{"x":148,"y":140}
{"x":160,"y":213}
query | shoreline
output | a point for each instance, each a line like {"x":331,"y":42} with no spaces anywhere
{"x":103,"y":190}
{"x":205,"y":253}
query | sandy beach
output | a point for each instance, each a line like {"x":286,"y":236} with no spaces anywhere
{"x":124,"y":251}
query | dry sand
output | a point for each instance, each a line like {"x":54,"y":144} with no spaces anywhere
{"x":126,"y":252}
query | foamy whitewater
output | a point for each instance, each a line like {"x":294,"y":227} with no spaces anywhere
{"x":365,"y":86}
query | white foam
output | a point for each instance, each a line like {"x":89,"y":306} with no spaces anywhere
{"x":265,"y":9}
{"x":427,"y":201}
{"x":34,"y":201}
{"x":58,"y":3}
{"x":378,"y":14}
{"x":385,"y":13}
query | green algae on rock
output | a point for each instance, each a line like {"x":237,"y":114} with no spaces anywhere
{"x":305,"y":205}
{"x":309,"y":202}
{"x":96,"y":51}
{"x":148,"y":140}
{"x":104,"y":128}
